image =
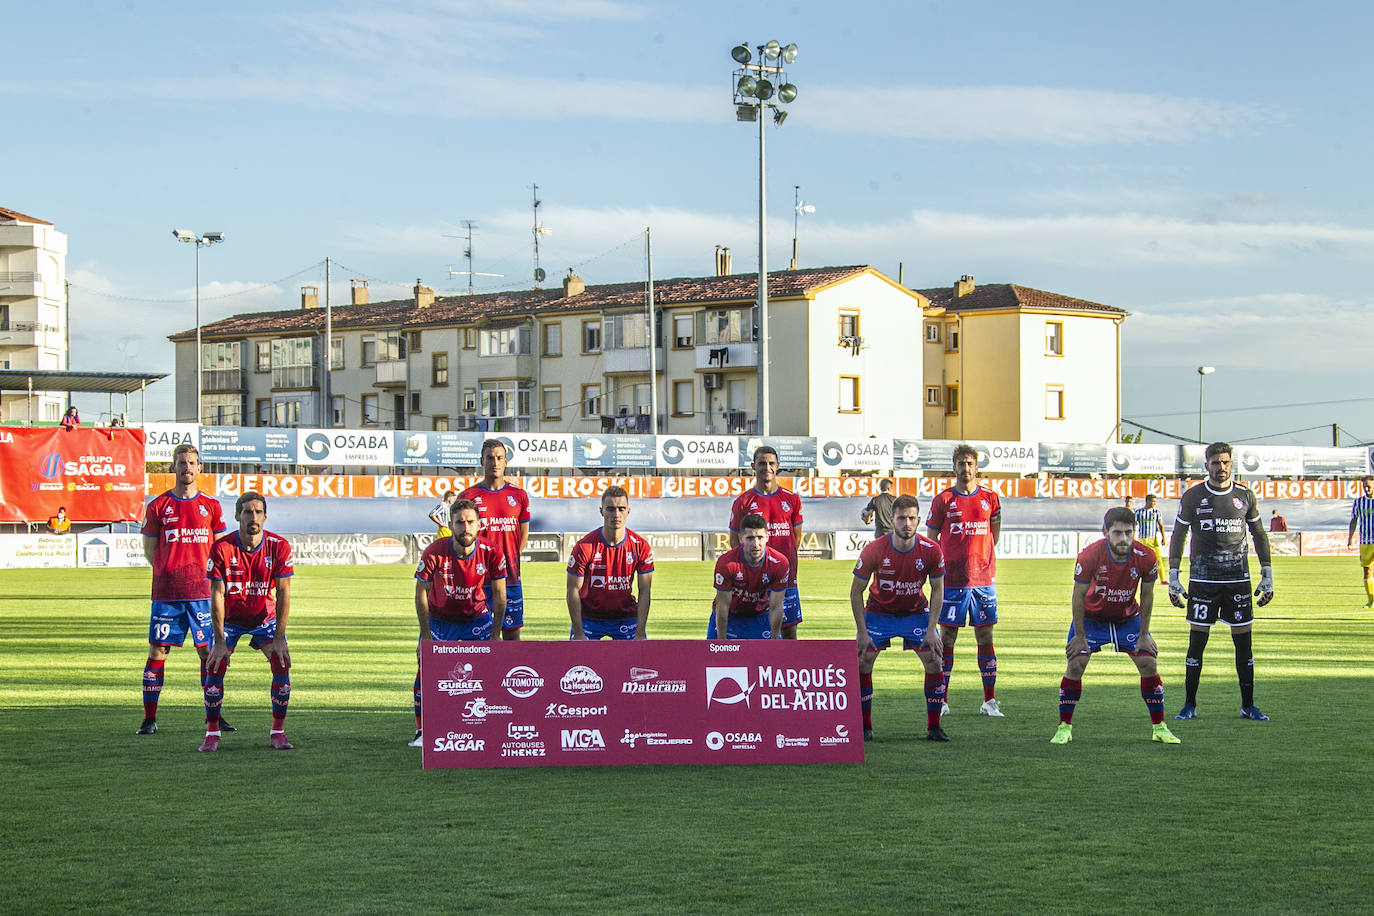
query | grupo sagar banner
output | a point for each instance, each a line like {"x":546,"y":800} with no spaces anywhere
{"x":647,"y":701}
{"x":95,"y":474}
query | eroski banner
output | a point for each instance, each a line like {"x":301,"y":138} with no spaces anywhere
{"x":650,"y":701}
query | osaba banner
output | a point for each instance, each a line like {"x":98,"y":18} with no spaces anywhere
{"x":97,"y":474}
{"x":650,"y":701}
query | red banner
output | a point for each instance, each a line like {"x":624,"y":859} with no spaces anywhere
{"x":96,"y":474}
{"x":650,"y":701}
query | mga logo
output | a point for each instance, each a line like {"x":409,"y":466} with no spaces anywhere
{"x":727,"y":686}
{"x":581,"y":679}
{"x":582,"y":739}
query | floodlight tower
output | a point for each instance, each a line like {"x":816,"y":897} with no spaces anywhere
{"x":208,"y":238}
{"x":755,"y":87}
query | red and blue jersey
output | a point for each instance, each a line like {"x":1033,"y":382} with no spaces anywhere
{"x":964,"y":522}
{"x":250,"y":576}
{"x":185,"y":529}
{"x":895,"y":579}
{"x":750,"y":587}
{"x":608,"y":573}
{"x":1112,"y":585}
{"x":457,"y":584}
{"x":781,"y":509}
{"x":502,"y":513}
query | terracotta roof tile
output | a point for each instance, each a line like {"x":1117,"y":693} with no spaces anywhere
{"x":458,"y":310}
{"x":1010,"y":296}
{"x":7,"y":215}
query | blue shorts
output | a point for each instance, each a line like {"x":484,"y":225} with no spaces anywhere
{"x":883,"y":628}
{"x":620,"y":628}
{"x":791,"y":608}
{"x":262,"y":634}
{"x":478,"y":629}
{"x":751,"y":626}
{"x":976,"y":603}
{"x":170,"y":620}
{"x":1121,"y":636}
{"x":515,"y":605}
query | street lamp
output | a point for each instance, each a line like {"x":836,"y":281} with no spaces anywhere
{"x":756,"y":85}
{"x":1202,"y":373}
{"x":208,"y":238}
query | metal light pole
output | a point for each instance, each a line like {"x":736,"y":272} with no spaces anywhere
{"x":1202,"y":373}
{"x":754,"y":88}
{"x":208,"y":238}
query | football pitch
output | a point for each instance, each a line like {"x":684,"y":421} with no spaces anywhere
{"x":1242,"y":816}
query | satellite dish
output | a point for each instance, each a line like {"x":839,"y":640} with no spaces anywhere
{"x":539,"y":275}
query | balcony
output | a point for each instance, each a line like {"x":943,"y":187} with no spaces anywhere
{"x":630,"y":359}
{"x":21,"y":237}
{"x":294,"y":377}
{"x":715,"y":357}
{"x":391,"y":373}
{"x":517,"y":365}
{"x":212,"y":380}
{"x":29,"y":333}
{"x":21,"y":284}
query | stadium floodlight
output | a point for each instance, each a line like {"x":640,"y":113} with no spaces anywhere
{"x":759,"y":86}
{"x":1202,"y":373}
{"x":206,"y":238}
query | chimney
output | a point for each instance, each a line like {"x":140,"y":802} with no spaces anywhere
{"x":310,"y":297}
{"x":722,"y":261}
{"x":964,"y":286}
{"x":359,"y":292}
{"x":424,"y":296}
{"x":573,"y":285}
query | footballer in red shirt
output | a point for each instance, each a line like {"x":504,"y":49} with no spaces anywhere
{"x":750,"y":582}
{"x":604,"y":569}
{"x":1106,"y":612}
{"x":965,"y":520}
{"x":178,"y":528}
{"x":887,"y":600}
{"x":250,"y":595}
{"x":504,"y":510}
{"x":781,"y":508}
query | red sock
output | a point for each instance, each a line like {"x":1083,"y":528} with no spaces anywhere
{"x":866,"y":697}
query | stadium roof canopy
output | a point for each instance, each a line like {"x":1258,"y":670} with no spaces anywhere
{"x":84,"y":382}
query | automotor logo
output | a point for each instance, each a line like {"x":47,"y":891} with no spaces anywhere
{"x":522,"y":681}
{"x":316,"y":446}
{"x":728,"y":686}
{"x":51,"y":465}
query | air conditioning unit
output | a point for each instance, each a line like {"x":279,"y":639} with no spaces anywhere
{"x":711,"y":380}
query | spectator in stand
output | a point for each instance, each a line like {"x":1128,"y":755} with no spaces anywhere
{"x":1277,"y":522}
{"x":70,"y":420}
{"x":59,"y":523}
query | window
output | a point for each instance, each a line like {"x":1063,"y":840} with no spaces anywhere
{"x":509,"y":341}
{"x":369,"y":351}
{"x":849,"y":326}
{"x":682,"y":331}
{"x":438,"y":370}
{"x":1054,"y":338}
{"x":264,"y":411}
{"x":286,"y":413}
{"x":719,"y":326}
{"x":336,"y":352}
{"x":625,"y":332}
{"x":262,"y":361}
{"x":415,"y":402}
{"x":293,"y":363}
{"x":553,"y":402}
{"x":932,"y":332}
{"x":1054,"y":402}
{"x":552,"y":332}
{"x":951,"y":399}
{"x":952,"y":338}
{"x":682,"y":398}
{"x":220,"y":366}
{"x":336,"y":410}
{"x":440,"y":423}
{"x":933,"y":395}
{"x":469,"y":338}
{"x":221,"y":409}
{"x":369,"y":410}
{"x":591,"y":337}
{"x":591,"y":401}
{"x":469,"y":400}
{"x":413,"y":341}
{"x":505,"y":403}
{"x":849,"y":394}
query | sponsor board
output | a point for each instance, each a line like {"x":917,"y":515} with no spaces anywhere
{"x":793,"y":451}
{"x":698,"y":452}
{"x":661,"y":701}
{"x":37,"y":551}
{"x":1073,"y":458}
{"x":248,"y":445}
{"x":163,"y":439}
{"x":611,"y":451}
{"x":105,"y":551}
{"x":848,"y":544}
{"x":345,"y":447}
{"x":1326,"y":544}
{"x":437,"y":449}
{"x":833,"y":455}
{"x":674,"y":545}
{"x":351,"y":549}
{"x":1039,"y":545}
{"x":1125,"y":458}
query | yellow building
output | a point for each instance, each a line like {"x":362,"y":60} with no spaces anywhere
{"x":1007,"y":362}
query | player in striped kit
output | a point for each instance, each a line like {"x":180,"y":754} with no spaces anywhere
{"x":1149,"y":526}
{"x":1362,"y":520}
{"x":504,"y":510}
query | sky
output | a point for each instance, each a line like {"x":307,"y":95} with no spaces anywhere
{"x":1202,"y":166}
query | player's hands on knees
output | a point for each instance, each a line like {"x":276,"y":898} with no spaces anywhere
{"x":1265,"y":592}
{"x":1176,"y":593}
{"x":1076,"y":647}
{"x":278,"y":648}
{"x":1146,"y":645}
{"x":215,"y":660}
{"x":933,"y":642}
{"x":865,"y":644}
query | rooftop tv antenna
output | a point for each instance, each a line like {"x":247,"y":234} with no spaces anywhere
{"x":539,"y":275}
{"x":469,"y":225}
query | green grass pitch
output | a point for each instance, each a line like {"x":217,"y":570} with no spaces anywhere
{"x":1242,"y":816}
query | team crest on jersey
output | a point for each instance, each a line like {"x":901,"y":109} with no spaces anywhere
{"x":1078,"y":569}
{"x":767,"y":578}
{"x":786,"y":506}
{"x":1237,"y":501}
{"x":203,"y":511}
{"x":920,"y":564}
{"x":481,"y":568}
{"x":985,"y":504}
{"x":630,"y":557}
{"x":1135,"y":573}
{"x":511,"y":500}
{"x":1204,"y":502}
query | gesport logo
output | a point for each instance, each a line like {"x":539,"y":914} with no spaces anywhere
{"x":719,"y":683}
{"x":316,"y":446}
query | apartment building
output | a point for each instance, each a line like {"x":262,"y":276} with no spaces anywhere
{"x":33,"y":312}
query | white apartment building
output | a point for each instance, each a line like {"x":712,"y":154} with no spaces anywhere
{"x":33,"y":312}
